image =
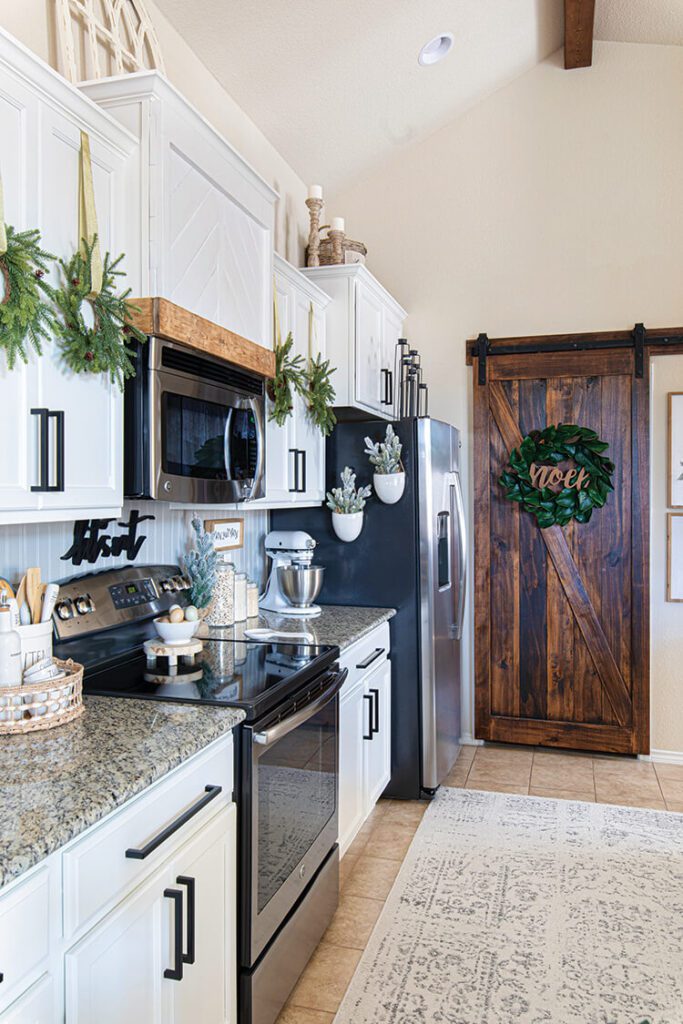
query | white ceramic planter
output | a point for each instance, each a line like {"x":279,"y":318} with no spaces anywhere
{"x":347,"y":527}
{"x":389,"y":486}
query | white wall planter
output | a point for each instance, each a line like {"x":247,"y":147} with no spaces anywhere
{"x":389,"y":487}
{"x":347,"y":526}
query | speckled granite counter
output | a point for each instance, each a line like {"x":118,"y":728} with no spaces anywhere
{"x":337,"y":624}
{"x":54,"y":784}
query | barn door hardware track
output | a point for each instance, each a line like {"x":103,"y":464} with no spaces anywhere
{"x":638,"y":339}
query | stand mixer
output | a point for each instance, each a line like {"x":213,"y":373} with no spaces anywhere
{"x":294,"y":583}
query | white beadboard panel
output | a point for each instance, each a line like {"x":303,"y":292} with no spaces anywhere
{"x":169,"y":536}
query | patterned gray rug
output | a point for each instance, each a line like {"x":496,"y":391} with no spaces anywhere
{"x":522,"y":910}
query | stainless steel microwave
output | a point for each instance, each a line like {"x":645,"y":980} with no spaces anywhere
{"x":194,"y":427}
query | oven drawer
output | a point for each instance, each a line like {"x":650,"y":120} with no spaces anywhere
{"x":100,"y":869}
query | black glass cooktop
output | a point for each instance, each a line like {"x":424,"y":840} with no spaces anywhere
{"x":249,"y":674}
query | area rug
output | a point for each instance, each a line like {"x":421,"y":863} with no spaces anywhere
{"x":522,"y":910}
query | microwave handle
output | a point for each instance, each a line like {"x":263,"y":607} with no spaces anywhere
{"x":260,"y":445}
{"x":226,"y":443}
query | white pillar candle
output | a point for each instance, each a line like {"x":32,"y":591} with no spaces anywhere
{"x":337,"y":224}
{"x":315,"y":191}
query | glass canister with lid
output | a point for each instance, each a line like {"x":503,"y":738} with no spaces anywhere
{"x":222,"y":608}
{"x":252,"y":599}
{"x":240,"y":596}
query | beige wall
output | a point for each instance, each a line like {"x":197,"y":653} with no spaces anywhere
{"x":554,"y":205}
{"x":31,"y":21}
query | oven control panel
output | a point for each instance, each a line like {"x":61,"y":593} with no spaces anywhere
{"x":97,"y":601}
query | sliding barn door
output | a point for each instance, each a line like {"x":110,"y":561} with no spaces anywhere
{"x":561,"y":614}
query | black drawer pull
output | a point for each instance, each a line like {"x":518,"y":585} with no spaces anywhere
{"x":295,"y":453}
{"x":375,"y":693}
{"x":45,"y":416}
{"x":377,"y":653}
{"x":176,"y":973}
{"x":367,"y":696}
{"x":187,"y":880}
{"x":210,"y":793}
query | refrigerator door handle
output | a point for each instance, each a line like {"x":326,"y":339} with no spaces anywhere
{"x":456,"y":488}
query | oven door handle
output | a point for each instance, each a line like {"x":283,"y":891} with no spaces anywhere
{"x":276,"y":732}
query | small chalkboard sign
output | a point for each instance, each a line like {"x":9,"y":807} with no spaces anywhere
{"x":225,"y":533}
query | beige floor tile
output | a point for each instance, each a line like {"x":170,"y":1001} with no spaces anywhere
{"x":563,"y":794}
{"x":466,"y":755}
{"x":300,"y":1015}
{"x":672,"y":789}
{"x":625,"y":798}
{"x":669,"y":771}
{"x":562,"y":771}
{"x":457,"y":777}
{"x":498,"y":756}
{"x":645,"y":787}
{"x":675,"y":805}
{"x":622,"y":768}
{"x":390,"y":840}
{"x":346,"y":867}
{"x":353,"y":922}
{"x":326,"y":978}
{"x":372,"y":877}
{"x":377,"y":812}
{"x":482,"y":776}
{"x":358,"y":844}
{"x":406,"y":812}
{"x":493,"y":786}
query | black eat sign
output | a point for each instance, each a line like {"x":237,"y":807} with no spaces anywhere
{"x":91,"y":542}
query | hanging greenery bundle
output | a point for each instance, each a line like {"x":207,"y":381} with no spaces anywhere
{"x":102,"y":347}
{"x":25,"y":311}
{"x":320,"y":395}
{"x":290,"y":377}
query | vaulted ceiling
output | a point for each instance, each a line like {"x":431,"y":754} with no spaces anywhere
{"x":335,"y":84}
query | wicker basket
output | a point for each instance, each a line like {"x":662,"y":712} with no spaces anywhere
{"x":352,"y":252}
{"x":36,"y":706}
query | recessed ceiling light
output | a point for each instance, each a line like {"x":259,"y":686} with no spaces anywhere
{"x":436,"y":49}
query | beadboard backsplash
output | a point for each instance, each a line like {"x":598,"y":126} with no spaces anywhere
{"x":168,"y":537}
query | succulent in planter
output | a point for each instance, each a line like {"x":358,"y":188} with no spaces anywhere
{"x":348,"y":499}
{"x":385,"y":455}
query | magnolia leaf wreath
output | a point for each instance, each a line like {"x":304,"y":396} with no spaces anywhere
{"x":533,"y":472}
{"x":25,"y":312}
{"x":101,"y":347}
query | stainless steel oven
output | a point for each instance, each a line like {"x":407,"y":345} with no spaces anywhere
{"x":194,"y":427}
{"x":289,"y":786}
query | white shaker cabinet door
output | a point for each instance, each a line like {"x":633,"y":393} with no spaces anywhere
{"x":370,"y":381}
{"x":393,"y":330}
{"x":280,"y":440}
{"x":353,"y":724}
{"x":309,"y":334}
{"x":37,"y":1006}
{"x":18,"y":391}
{"x":90,"y":405}
{"x":377,"y":739}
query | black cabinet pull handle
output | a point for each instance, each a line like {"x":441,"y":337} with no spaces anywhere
{"x":45,"y":416}
{"x":385,"y":381}
{"x":302,"y":488}
{"x":187,"y":880}
{"x":176,"y":973}
{"x":368,"y":697}
{"x":295,"y":453}
{"x":375,"y":693}
{"x":390,"y":379}
{"x":210,"y":793}
{"x":377,"y":653}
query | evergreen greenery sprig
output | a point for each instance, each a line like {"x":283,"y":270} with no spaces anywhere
{"x":25,"y":310}
{"x":200,"y":565}
{"x":290,"y":377}
{"x":348,"y":499}
{"x":102,"y":348}
{"x":385,"y":455}
{"x":320,"y":395}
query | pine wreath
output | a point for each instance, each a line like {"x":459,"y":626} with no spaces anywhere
{"x":320,"y":395}
{"x":101,"y":348}
{"x":591,"y":481}
{"x":25,"y":312}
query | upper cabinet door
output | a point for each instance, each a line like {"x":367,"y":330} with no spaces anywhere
{"x":280,"y":440}
{"x":371,"y":383}
{"x":91,"y":406}
{"x":309,"y":334}
{"x":393,"y":330}
{"x":18,"y":387}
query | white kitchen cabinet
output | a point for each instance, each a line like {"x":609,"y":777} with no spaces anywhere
{"x":37,"y":1006}
{"x":295,"y":452}
{"x":66,"y":428}
{"x":364,"y":324}
{"x":364,"y":731}
{"x":207,"y":216}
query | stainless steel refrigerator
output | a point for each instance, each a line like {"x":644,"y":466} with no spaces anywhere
{"x":411,"y":556}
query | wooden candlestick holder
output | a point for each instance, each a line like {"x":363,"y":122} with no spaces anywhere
{"x":314,"y":208}
{"x":337,"y":239}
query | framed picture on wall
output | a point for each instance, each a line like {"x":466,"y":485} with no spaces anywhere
{"x":226,"y":534}
{"x":675,"y":449}
{"x":674,"y":557}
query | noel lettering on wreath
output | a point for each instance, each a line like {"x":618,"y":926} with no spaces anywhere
{"x":538,"y":480}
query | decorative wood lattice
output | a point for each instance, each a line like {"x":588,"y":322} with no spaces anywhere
{"x":99,"y":38}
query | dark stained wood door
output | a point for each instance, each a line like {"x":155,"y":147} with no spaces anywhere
{"x":562,"y":614}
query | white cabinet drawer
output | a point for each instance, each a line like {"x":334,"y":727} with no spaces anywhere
{"x":97,"y":871}
{"x":365,"y":655}
{"x":37,"y":1006}
{"x":24,"y":934}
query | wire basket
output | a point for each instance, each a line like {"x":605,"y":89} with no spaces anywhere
{"x":36,"y":706}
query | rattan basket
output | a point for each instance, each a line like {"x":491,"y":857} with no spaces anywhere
{"x":45,"y":705}
{"x":352,"y":252}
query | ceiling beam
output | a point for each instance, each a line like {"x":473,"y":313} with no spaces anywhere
{"x":578,"y":33}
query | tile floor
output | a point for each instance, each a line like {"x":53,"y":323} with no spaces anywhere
{"x":373,"y":860}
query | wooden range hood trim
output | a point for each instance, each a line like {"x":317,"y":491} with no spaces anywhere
{"x":160,"y":318}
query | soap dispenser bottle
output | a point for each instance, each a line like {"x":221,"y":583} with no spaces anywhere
{"x":10,"y":650}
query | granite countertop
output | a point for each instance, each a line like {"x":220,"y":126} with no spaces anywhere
{"x":55,"y":784}
{"x":337,"y":624}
